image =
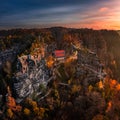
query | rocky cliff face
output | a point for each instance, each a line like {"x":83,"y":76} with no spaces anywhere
{"x":29,"y":82}
{"x":31,"y":74}
{"x":89,"y":69}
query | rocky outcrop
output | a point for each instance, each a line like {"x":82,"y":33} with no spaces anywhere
{"x":28,"y":81}
{"x":89,"y":67}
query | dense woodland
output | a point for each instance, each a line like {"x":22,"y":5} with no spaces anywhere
{"x":99,"y":101}
{"x":104,"y":42}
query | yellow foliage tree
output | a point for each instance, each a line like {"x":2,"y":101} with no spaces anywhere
{"x":109,"y":106}
{"x":9,"y":113}
{"x":100,"y":85}
{"x":69,"y":81}
{"x":113,"y":83}
{"x":50,"y":61}
{"x":33,"y":104}
{"x":26,"y":111}
{"x":90,"y":88}
{"x":75,"y":88}
{"x":56,"y":93}
{"x":118,"y":87}
{"x":36,"y":110}
{"x":41,"y":112}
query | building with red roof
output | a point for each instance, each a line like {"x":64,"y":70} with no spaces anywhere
{"x":59,"y":54}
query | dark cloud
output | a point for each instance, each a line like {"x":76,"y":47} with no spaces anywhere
{"x":22,"y":10}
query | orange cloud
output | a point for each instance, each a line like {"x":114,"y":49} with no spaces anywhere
{"x":113,"y":25}
{"x":103,"y":9}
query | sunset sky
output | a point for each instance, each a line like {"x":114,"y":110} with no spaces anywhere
{"x":97,"y":14}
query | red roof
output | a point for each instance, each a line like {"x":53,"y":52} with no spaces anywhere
{"x":59,"y":53}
